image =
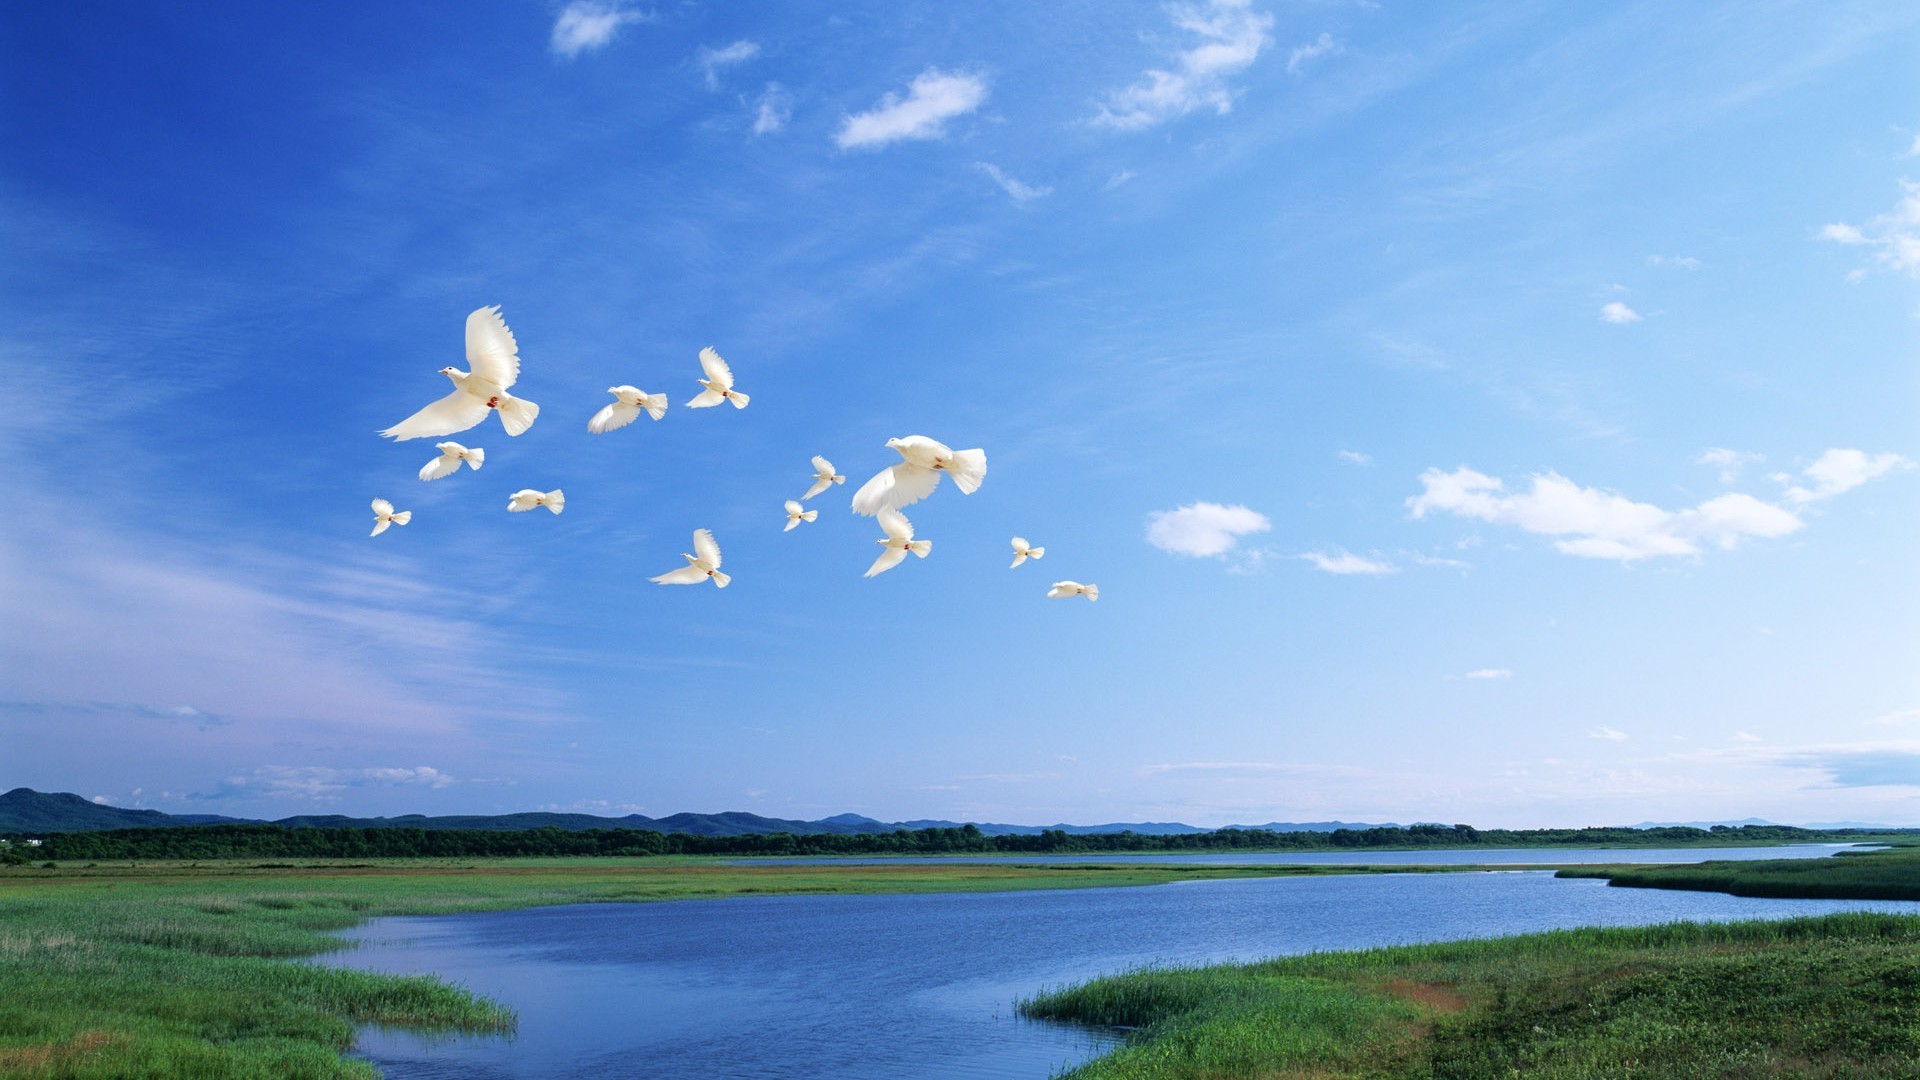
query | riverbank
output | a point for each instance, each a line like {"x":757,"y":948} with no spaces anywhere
{"x":191,"y":971}
{"x":1893,"y":874}
{"x":1831,"y":996}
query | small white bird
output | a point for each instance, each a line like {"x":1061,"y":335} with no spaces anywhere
{"x":384,"y":516}
{"x":1067,"y":590}
{"x":526,"y":499}
{"x":899,"y":541}
{"x":1021,"y":552}
{"x":701,"y":566}
{"x":627,"y":409}
{"x":718,"y":383}
{"x":495,"y":359}
{"x":795,"y":515}
{"x":916,"y":477}
{"x":823,"y":475}
{"x":448,"y":463}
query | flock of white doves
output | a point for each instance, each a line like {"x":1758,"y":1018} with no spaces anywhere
{"x":495,"y":359}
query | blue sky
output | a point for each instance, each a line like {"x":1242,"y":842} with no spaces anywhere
{"x":1499,"y":413}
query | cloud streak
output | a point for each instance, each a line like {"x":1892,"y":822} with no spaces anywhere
{"x":933,"y":98}
{"x":586,"y":25}
{"x":1203,"y":529}
{"x":1230,"y":36}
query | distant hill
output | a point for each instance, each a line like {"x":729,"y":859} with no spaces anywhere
{"x":27,"y":810}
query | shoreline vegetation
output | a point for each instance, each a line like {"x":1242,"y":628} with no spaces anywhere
{"x":1892,"y":874}
{"x":178,"y":969}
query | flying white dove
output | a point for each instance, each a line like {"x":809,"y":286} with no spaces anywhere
{"x":526,"y":499}
{"x":795,"y":515}
{"x":899,"y":541}
{"x":823,"y":475}
{"x":700,"y":567}
{"x":627,"y":409}
{"x":1067,"y":590}
{"x":1021,"y":552}
{"x":495,"y":359}
{"x":384,"y":516}
{"x":448,"y":463}
{"x":916,"y":477}
{"x":718,"y":383}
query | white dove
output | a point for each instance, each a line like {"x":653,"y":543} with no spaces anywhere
{"x":1021,"y":552}
{"x":384,"y":516}
{"x":899,"y":541}
{"x":448,"y":463}
{"x":916,"y":477}
{"x":526,"y":499}
{"x":627,"y":409}
{"x":718,"y":383}
{"x":1067,"y":590}
{"x":699,"y":567}
{"x":823,"y":475}
{"x":495,"y":359}
{"x":795,"y":515}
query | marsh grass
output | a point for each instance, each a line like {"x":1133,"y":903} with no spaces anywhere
{"x":1837,"y":996}
{"x":1893,"y":874}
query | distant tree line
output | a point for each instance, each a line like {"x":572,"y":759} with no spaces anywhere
{"x":279,"y":841}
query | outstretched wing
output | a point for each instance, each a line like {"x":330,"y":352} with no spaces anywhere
{"x":617,"y":415}
{"x":716,"y":368}
{"x":457,"y":411}
{"x":491,"y":351}
{"x":686,"y":575}
{"x":793,"y":508}
{"x":895,"y":525}
{"x":888,"y":559}
{"x":823,"y":467}
{"x":893,"y":487}
{"x":444,"y":465}
{"x":706,"y":549}
{"x":705,"y":399}
{"x":383,"y":507}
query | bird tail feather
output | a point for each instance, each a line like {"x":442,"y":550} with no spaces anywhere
{"x":1036,"y":553}
{"x":968,"y":468}
{"x":721,"y":580}
{"x":1093,"y":593}
{"x":556,"y":500}
{"x":739,"y":399}
{"x":476,"y":457}
{"x":920,"y":547}
{"x":656,"y":405}
{"x":517,"y":414}
{"x":403,"y":517}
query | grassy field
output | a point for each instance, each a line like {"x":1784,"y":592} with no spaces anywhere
{"x":188,"y":970}
{"x":1837,"y":996}
{"x":1893,"y":874}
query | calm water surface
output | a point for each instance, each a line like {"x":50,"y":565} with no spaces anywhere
{"x":916,"y":986}
{"x":1445,"y":857}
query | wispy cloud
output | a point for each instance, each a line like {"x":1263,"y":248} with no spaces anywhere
{"x":933,"y":98}
{"x":1728,"y":461}
{"x":1203,"y":529}
{"x":1230,"y":36}
{"x":1839,"y":471}
{"x":1618,"y":313}
{"x":1302,"y":55}
{"x":585,"y":25}
{"x":1683,"y":262}
{"x":1490,"y":673}
{"x":1020,"y":192}
{"x":1208,"y":767}
{"x":1354,"y":457}
{"x":772,"y":111}
{"x":1596,"y":524}
{"x":1117,"y":179}
{"x":1346,"y":562}
{"x":1607,"y":734}
{"x":712,"y":60}
{"x":320,"y":783}
{"x":1865,"y":768}
{"x":1893,"y":237}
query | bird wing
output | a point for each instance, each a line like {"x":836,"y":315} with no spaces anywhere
{"x":457,"y":411}
{"x":822,"y":467}
{"x":793,"y":508}
{"x":705,"y":399}
{"x":1020,"y":544}
{"x":895,"y":525}
{"x":893,"y":487}
{"x":617,"y":415}
{"x":716,"y":368}
{"x":383,"y":507}
{"x":444,"y":465}
{"x":888,"y":559}
{"x":686,"y":575}
{"x":491,"y":351}
{"x":1063,"y":589}
{"x":380,"y":525}
{"x":704,"y":547}
{"x":523,"y":500}
{"x":818,"y":487}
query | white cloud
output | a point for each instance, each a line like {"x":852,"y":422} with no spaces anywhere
{"x":1354,"y":457}
{"x":1684,"y":262}
{"x":773,"y":110}
{"x":1904,"y":716}
{"x":712,"y":60}
{"x":1209,"y":767}
{"x":1491,"y":673}
{"x":323,"y":783}
{"x":933,"y":98}
{"x":1117,"y":179}
{"x":1346,"y":562}
{"x":1618,"y":313}
{"x":1894,"y":236}
{"x":1607,"y":733}
{"x":1746,"y":737}
{"x":1203,"y":529}
{"x":1314,"y":50}
{"x":1729,"y":461}
{"x":585,"y":25}
{"x":1422,"y":559}
{"x":1914,"y":150}
{"x":1020,"y":192}
{"x":1840,"y":471}
{"x":1231,"y":35}
{"x":1596,"y":524}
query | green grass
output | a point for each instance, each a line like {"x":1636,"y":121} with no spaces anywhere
{"x":1837,"y":996}
{"x":1851,"y":875}
{"x":175,"y":970}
